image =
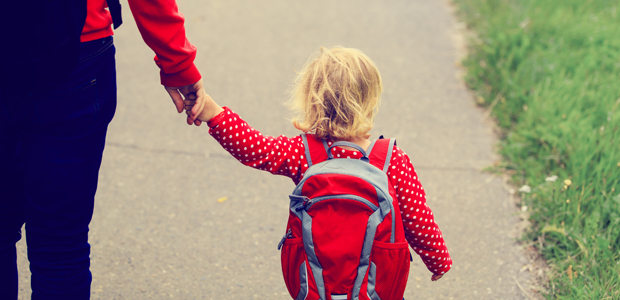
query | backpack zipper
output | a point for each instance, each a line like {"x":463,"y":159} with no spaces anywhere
{"x":287,"y":235}
{"x":312,"y":201}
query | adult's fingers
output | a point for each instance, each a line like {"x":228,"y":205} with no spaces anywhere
{"x":200,"y":102}
{"x":177,"y":99}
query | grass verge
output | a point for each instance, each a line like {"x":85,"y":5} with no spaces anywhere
{"x":550,"y":72}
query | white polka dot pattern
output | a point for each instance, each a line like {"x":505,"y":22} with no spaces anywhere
{"x":286,"y":156}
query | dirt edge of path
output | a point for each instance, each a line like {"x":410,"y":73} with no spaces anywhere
{"x":537,"y":266}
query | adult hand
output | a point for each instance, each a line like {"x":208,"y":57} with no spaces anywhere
{"x":191,"y":91}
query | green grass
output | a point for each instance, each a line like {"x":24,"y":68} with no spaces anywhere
{"x":550,"y":73}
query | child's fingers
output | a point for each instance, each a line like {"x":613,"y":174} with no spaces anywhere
{"x":436,"y":277}
{"x":190,"y":103}
{"x":200,"y":103}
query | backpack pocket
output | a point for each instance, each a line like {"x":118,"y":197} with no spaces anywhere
{"x":391,"y":268}
{"x":294,"y":266}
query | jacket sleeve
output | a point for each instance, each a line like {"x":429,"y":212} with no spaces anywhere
{"x":279,"y":155}
{"x":162,"y":28}
{"x":421,"y":230}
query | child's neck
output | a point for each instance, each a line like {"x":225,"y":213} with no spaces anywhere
{"x":360,"y":141}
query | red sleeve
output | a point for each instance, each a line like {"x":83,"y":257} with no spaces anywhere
{"x":278,"y":155}
{"x":421,"y":231}
{"x":162,"y":28}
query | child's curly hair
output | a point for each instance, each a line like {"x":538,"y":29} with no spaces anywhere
{"x":337,"y":94}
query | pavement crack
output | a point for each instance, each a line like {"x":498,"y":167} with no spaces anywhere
{"x":441,"y":168}
{"x":227,"y":156}
{"x":168,"y":151}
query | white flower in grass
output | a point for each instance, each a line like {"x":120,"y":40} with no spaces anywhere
{"x":552,"y":178}
{"x":525,"y":189}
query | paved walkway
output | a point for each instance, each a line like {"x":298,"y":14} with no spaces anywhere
{"x":159,"y":231}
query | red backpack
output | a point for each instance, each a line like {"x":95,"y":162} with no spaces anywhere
{"x":345,"y":238}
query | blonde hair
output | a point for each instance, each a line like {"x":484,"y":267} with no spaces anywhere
{"x":337,"y":94}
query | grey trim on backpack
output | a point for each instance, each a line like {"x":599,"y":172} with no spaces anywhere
{"x":339,"y":297}
{"x":308,"y":157}
{"x":300,"y":204}
{"x":385,"y":170}
{"x":371,"y":228}
{"x":354,"y":167}
{"x":325,"y":145}
{"x":303,"y":281}
{"x":372,"y":145}
{"x":372,"y":279}
{"x":393,"y":235}
{"x":343,"y":196}
{"x":296,"y":203}
{"x":313,"y":261}
{"x":347,"y":144}
{"x":386,"y":167}
{"x":388,"y":157}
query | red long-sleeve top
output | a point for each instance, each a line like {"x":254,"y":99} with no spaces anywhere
{"x":285,"y":156}
{"x":162,"y":28}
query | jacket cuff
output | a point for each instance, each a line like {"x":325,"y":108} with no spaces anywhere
{"x":188,"y":76}
{"x":216,"y":120}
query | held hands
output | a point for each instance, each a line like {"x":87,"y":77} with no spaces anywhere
{"x":209,"y":110}
{"x":196,"y":93}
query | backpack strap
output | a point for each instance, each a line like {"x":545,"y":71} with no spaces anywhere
{"x":380,"y":153}
{"x":316,"y":149}
{"x":115,"y":11}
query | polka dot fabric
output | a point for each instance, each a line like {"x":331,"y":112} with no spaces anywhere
{"x":286,"y":156}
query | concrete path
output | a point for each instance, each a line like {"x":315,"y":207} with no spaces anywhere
{"x":159,"y":231}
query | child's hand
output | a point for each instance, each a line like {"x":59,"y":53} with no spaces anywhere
{"x":194,"y":91}
{"x":436,"y":277}
{"x":210,"y":109}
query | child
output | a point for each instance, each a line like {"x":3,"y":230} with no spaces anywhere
{"x":336,"y":96}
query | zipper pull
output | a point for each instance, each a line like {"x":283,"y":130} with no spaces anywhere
{"x":307,"y":201}
{"x":286,"y":236}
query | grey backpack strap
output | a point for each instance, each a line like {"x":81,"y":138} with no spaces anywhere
{"x":347,"y":144}
{"x":315,"y":149}
{"x":380,"y":153}
{"x":308,"y":158}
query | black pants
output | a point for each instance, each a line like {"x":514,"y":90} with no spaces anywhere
{"x":51,"y":144}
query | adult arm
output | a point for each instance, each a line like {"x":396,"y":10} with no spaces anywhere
{"x":162,"y":27}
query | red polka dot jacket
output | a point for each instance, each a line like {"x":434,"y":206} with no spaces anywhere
{"x":285,"y":156}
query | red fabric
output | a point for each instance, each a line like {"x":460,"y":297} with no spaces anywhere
{"x":338,"y":236}
{"x":162,"y":28}
{"x":286,"y":156}
{"x":317,"y":150}
{"x":394,"y":259}
{"x":379,"y":153}
{"x":291,"y":260}
{"x":98,"y":21}
{"x":339,"y":185}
